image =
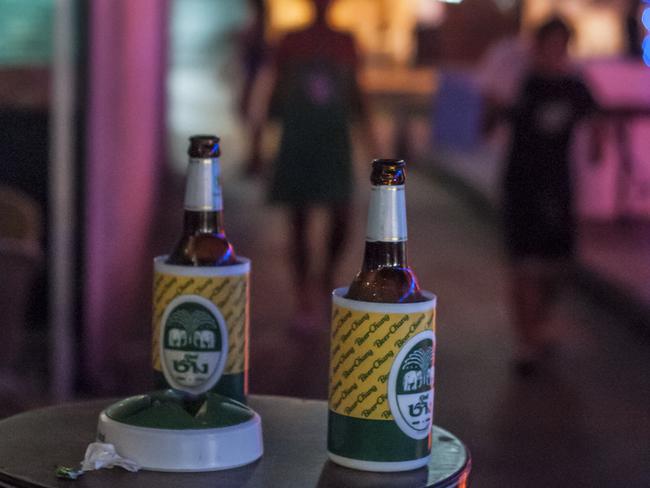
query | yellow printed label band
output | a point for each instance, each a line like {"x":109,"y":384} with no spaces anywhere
{"x":366,"y":340}
{"x":227,"y":288}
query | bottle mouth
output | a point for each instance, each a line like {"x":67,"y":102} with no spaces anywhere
{"x":400,"y":163}
{"x":388,"y":172}
{"x":204,"y":146}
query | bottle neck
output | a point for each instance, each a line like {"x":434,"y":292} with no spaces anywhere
{"x":203,"y":188}
{"x":384,"y":254}
{"x":386,"y":232}
{"x":203,"y":222}
{"x":203,"y":200}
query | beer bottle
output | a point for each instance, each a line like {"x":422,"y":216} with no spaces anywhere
{"x":201,"y":292}
{"x":203,"y":242}
{"x":382,"y":345}
{"x":385,"y":276}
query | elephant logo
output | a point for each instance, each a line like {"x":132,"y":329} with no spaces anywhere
{"x":177,"y":337}
{"x":191,"y":328}
{"x":413,"y":379}
{"x":410,"y":390}
{"x":417,"y":369}
{"x":194,"y":344}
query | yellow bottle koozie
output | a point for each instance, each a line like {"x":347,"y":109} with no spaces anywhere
{"x":201,"y":327}
{"x":381,"y":383}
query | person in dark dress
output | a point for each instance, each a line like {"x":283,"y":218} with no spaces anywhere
{"x":539,"y":221}
{"x":316,"y":97}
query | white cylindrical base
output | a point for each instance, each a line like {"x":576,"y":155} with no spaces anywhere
{"x":185,"y":450}
{"x":383,"y":467}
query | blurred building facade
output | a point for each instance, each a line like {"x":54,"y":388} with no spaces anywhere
{"x":387,"y":30}
{"x":406,"y":44}
{"x":26,"y":59}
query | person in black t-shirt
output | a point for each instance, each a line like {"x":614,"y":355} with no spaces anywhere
{"x":538,"y":216}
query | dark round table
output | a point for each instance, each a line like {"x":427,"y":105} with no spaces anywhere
{"x":33,"y":443}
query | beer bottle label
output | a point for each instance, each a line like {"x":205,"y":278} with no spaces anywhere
{"x":410,"y":386}
{"x":387,"y":214}
{"x":200,"y":327}
{"x":203,"y":189}
{"x":193,"y":344}
{"x":381,"y":379}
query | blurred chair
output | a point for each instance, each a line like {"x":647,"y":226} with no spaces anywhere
{"x":21,"y":256}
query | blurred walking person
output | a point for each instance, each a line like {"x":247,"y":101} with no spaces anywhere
{"x":316,"y":96}
{"x":634,"y":30}
{"x":253,"y":53}
{"x":539,"y":221}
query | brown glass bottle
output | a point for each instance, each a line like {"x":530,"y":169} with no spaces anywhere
{"x":203,"y":241}
{"x":385,"y":275}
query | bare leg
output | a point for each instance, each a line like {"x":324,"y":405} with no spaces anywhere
{"x":306,"y":319}
{"x":299,"y":253}
{"x":527,"y":292}
{"x":554,"y":282}
{"x":339,"y":224}
{"x":254,"y":163}
{"x":530,"y":295}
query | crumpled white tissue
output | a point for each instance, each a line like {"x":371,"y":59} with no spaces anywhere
{"x":101,"y":455}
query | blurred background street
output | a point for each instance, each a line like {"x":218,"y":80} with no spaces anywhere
{"x":93,"y":154}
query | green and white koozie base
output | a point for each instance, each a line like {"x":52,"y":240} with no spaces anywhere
{"x":200,"y":337}
{"x":169,"y":431}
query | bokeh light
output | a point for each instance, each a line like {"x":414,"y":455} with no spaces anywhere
{"x":645,"y":18}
